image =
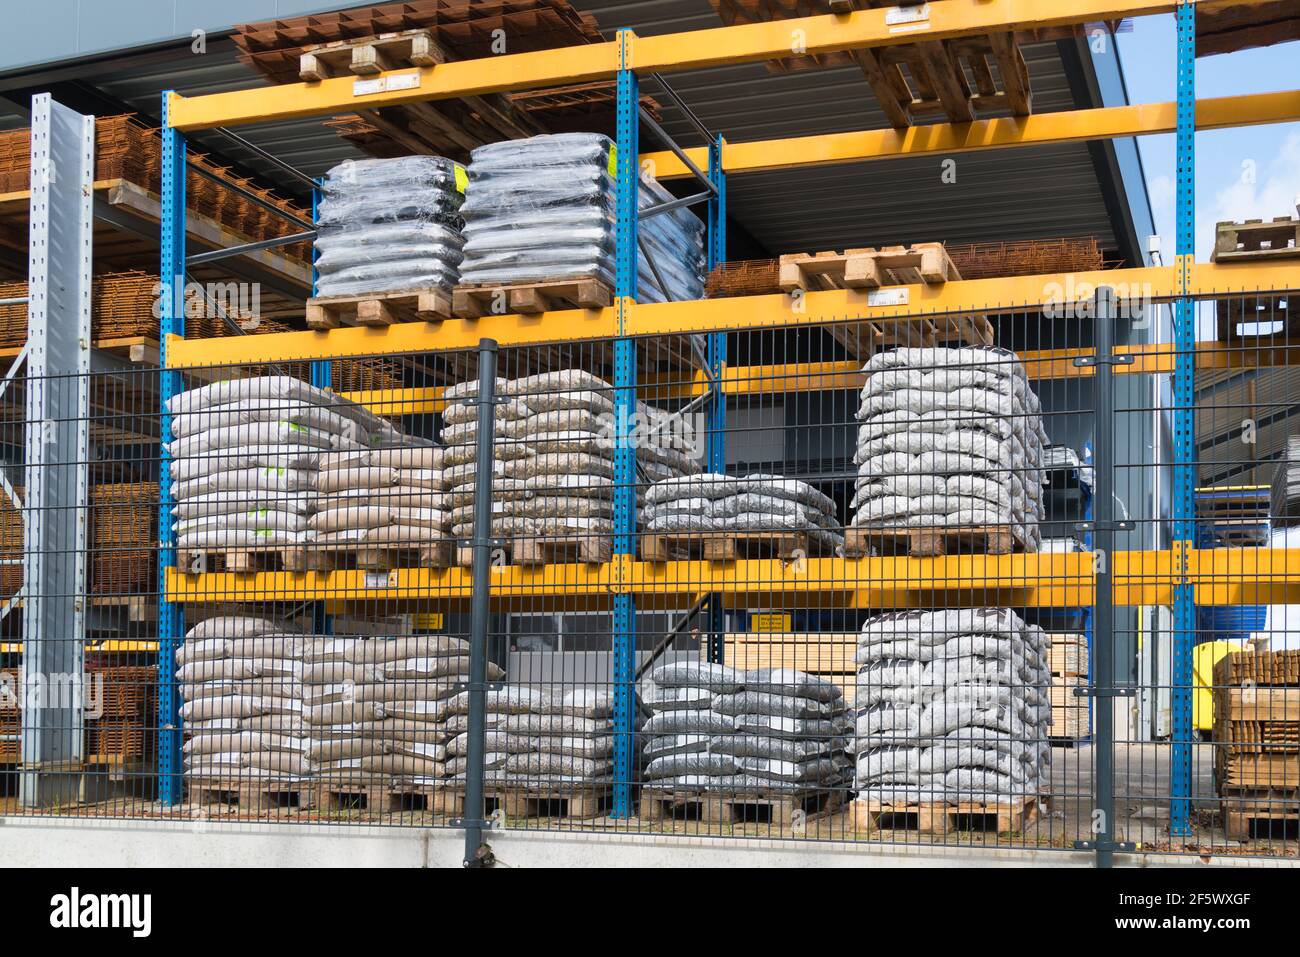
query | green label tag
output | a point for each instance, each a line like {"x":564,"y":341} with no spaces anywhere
{"x":612,"y":169}
{"x":295,"y":427}
{"x":462,"y":178}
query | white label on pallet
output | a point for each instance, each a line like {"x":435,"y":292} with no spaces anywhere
{"x":386,"y":84}
{"x":888,"y":297}
{"x":376,"y":579}
{"x":908,"y":18}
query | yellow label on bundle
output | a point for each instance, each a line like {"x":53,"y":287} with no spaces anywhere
{"x":428,"y":621}
{"x":770,"y":623}
{"x":612,"y":169}
{"x":462,"y":178}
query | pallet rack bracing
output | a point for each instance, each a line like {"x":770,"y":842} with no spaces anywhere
{"x":1176,"y":577}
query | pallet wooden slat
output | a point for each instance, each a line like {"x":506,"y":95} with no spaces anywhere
{"x":379,"y":309}
{"x":725,"y":546}
{"x":552,"y":550}
{"x":473,"y":301}
{"x":860,"y":540}
{"x":943,"y":817}
{"x":776,"y":808}
{"x":1255,"y":240}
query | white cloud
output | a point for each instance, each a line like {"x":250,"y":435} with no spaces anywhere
{"x":1260,"y":190}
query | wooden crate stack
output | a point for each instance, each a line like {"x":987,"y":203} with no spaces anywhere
{"x":1068,"y":659}
{"x":1257,"y":737}
{"x":120,"y":731}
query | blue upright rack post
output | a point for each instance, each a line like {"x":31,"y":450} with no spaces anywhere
{"x":171,"y":622}
{"x":1184,"y":637}
{"x":624,"y":623}
{"x":320,"y":370}
{"x":321,"y":378}
{"x":717,"y":360}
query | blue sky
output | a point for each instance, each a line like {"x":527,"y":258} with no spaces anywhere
{"x":1246,"y":173}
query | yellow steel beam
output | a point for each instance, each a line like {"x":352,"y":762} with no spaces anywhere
{"x":1040,"y":364}
{"x":690,"y":50}
{"x":1220,"y":577}
{"x":1001,"y":295}
{"x":1039,"y":129}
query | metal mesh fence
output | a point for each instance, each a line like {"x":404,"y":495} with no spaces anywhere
{"x":854,"y":586}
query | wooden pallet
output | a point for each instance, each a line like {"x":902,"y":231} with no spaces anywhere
{"x":930,"y":542}
{"x":252,"y":796}
{"x":379,"y":309}
{"x":954,"y":77}
{"x":868,"y":268}
{"x":1256,"y":240}
{"x":943,"y":817}
{"x":725,"y":547}
{"x":1247,"y":812}
{"x":872,"y":270}
{"x":577,"y":803}
{"x":383,"y":558}
{"x":1269,"y":318}
{"x":473,"y":301}
{"x":379,"y":795}
{"x":387,"y":51}
{"x":582,"y":549}
{"x":776,"y":808}
{"x":279,"y":558}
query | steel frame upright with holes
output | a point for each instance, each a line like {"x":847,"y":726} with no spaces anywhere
{"x":1184,"y":492}
{"x":171,"y":622}
{"x":624,"y":618}
{"x":716,"y":356}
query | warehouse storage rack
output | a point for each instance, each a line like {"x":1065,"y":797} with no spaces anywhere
{"x":1181,"y":576}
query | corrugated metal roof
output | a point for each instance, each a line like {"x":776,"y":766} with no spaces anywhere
{"x":1265,"y":396}
{"x":1004,"y":195}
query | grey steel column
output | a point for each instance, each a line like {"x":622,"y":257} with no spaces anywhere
{"x":477,"y":854}
{"x":57,"y":452}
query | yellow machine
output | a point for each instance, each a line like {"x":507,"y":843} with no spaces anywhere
{"x":1204,"y":658}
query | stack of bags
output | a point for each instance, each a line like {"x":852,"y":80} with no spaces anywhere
{"x":383,"y":498}
{"x":241,"y":683}
{"x":375,"y":708}
{"x":713,"y":728}
{"x":386,"y":225}
{"x":949,"y":438}
{"x":752,"y":503}
{"x":952,"y":706}
{"x":544,"y":209}
{"x":538,"y":738}
{"x":245,"y":458}
{"x":1285,"y":495}
{"x":553,"y":468}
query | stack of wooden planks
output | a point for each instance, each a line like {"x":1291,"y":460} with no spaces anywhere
{"x":126,"y":149}
{"x":423,"y":33}
{"x":1068,"y":661}
{"x":1257,"y":738}
{"x":828,"y":655}
{"x":959,"y":79}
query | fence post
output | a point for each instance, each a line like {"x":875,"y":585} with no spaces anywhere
{"x":477,"y":853}
{"x":1102,"y":689}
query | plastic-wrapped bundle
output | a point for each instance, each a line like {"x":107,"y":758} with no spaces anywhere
{"x":386,"y":225}
{"x":241,"y":685}
{"x":752,"y":503}
{"x":553,"y":468}
{"x":377,"y":707}
{"x":713,"y":728}
{"x":949,"y":438}
{"x":245,"y":456}
{"x":951,"y":706}
{"x":382,"y":498}
{"x":539,"y":738}
{"x":544,"y":208}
